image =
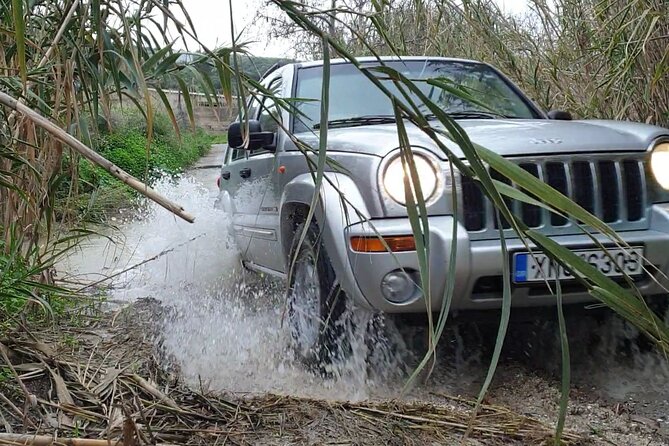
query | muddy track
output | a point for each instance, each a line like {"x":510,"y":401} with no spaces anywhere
{"x":220,"y":327}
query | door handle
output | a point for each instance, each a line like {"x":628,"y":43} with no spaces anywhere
{"x":245,"y":173}
{"x":225,"y":175}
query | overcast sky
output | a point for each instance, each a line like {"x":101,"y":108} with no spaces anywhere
{"x":212,"y":21}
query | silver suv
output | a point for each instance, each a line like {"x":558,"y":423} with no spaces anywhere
{"x":619,"y":171}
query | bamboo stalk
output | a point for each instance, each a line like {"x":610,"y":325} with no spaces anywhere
{"x":47,"y":440}
{"x":47,"y":55}
{"x":94,"y":157}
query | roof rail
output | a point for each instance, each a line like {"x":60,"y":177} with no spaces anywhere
{"x":274,"y":67}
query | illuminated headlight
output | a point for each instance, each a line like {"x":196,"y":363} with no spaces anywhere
{"x":395,"y":173}
{"x":659,"y":164}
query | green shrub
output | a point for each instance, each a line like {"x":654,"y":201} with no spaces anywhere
{"x":13,"y":272}
{"x":21,"y":275}
{"x":126,"y":145}
{"x":168,"y":153}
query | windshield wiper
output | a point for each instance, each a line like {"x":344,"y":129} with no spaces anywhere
{"x":359,"y":121}
{"x":469,"y":115}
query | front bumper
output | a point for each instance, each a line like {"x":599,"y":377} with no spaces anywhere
{"x":478,"y":269}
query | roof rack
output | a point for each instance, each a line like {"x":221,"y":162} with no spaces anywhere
{"x":274,"y":67}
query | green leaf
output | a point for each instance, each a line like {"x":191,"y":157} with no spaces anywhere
{"x":503,"y":321}
{"x":20,"y":36}
{"x":566,"y":369}
{"x":225,"y":76}
{"x":322,"y":151}
{"x":187,"y":100}
{"x":156,"y":57}
{"x":170,"y":111}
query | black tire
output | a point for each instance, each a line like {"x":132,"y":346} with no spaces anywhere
{"x":329,"y":304}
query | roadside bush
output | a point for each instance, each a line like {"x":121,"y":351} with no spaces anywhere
{"x":126,"y":145}
{"x":13,"y":272}
{"x":25,"y":283}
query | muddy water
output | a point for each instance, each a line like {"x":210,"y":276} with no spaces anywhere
{"x":223,"y":326}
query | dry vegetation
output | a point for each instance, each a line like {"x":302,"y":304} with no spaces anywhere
{"x":596,"y":58}
{"x":101,"y":380}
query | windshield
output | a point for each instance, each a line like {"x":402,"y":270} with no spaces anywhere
{"x":354,"y":96}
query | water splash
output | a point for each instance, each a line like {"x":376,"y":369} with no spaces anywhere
{"x":223,"y":326}
{"x":219,"y":324}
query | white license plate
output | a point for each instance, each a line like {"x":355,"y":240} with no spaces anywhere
{"x":538,"y":267}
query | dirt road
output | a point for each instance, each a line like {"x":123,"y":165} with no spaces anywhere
{"x":221,"y":327}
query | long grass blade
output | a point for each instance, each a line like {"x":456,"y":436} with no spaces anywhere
{"x":566,"y":367}
{"x":20,"y":38}
{"x":322,"y":151}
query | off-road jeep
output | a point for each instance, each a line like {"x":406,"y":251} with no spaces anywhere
{"x":619,"y":171}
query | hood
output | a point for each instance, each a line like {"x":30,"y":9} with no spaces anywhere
{"x":508,"y":137}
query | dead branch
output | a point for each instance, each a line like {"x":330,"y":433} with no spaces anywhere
{"x":47,"y":440}
{"x":137,"y":265}
{"x":94,"y":157}
{"x":30,"y":398}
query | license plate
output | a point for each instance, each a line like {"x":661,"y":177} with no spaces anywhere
{"x":538,"y":267}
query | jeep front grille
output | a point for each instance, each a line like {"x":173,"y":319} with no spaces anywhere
{"x":613,"y":189}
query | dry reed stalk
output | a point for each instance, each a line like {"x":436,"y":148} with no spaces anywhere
{"x":184,"y":415}
{"x":46,"y":440}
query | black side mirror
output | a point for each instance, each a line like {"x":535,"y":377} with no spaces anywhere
{"x":257,"y":138}
{"x":560,"y":115}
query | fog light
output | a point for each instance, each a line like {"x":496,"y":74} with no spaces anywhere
{"x":399,"y":287}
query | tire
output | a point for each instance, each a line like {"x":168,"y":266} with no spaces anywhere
{"x":317,"y":307}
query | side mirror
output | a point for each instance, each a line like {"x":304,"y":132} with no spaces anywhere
{"x":560,"y":115}
{"x":257,"y":138}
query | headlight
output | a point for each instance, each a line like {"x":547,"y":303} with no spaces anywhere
{"x":394,"y":173}
{"x":659,"y":164}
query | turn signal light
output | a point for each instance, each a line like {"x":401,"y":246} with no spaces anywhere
{"x":375,"y":244}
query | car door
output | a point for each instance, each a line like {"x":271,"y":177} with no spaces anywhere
{"x":253,"y":192}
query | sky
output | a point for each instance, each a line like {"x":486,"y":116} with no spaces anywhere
{"x":211,"y":19}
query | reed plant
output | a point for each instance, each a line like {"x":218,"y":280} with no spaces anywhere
{"x":64,"y":65}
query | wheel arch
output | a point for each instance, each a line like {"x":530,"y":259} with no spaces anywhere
{"x":339,"y":204}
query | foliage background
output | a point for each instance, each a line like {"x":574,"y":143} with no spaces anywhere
{"x":125,"y":144}
{"x":596,"y":58}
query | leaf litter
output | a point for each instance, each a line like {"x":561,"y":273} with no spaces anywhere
{"x":109,"y":387}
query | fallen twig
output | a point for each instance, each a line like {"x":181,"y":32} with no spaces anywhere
{"x":137,"y":265}
{"x":30,"y":398}
{"x":47,"y":440}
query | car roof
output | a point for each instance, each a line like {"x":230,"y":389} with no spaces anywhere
{"x":367,"y":59}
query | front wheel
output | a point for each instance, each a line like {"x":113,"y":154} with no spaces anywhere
{"x":316,"y":304}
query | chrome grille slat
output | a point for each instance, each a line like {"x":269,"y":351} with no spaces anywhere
{"x":490,"y":214}
{"x":582,"y":184}
{"x":557,"y":176}
{"x":496,"y":176}
{"x":634,"y":174}
{"x":622,"y":203}
{"x":593,"y":181}
{"x":594,"y":189}
{"x":570,"y":189}
{"x":531,"y":214}
{"x":609,"y":190}
{"x":644,"y":188}
{"x":544,"y":215}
